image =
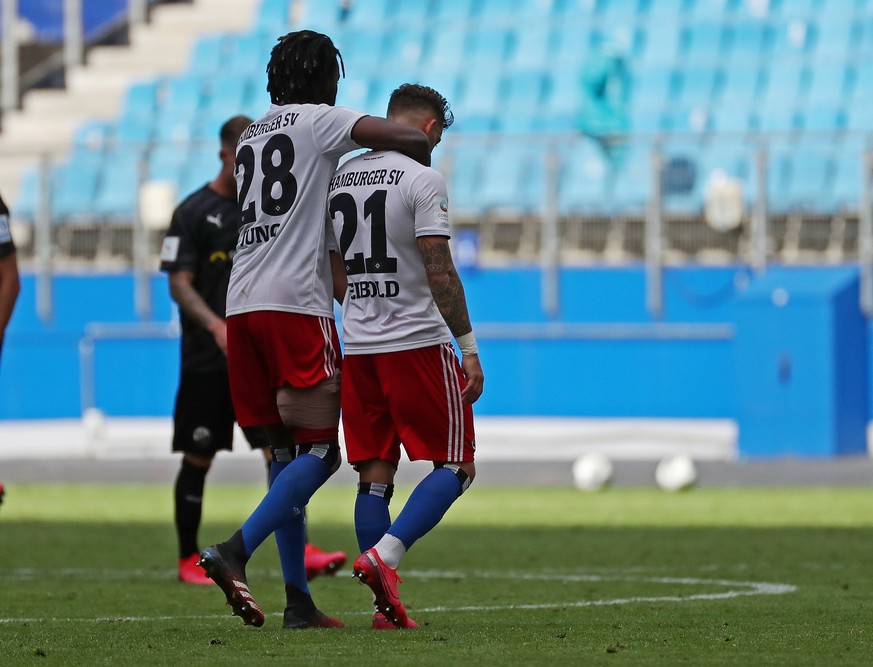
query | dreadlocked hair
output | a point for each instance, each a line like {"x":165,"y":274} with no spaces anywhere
{"x":413,"y":96}
{"x":301,"y":66}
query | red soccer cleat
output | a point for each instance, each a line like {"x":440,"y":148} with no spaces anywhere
{"x":322,"y":563}
{"x":382,"y":580}
{"x":381,"y":622}
{"x":230,"y":575}
{"x":190,"y":572}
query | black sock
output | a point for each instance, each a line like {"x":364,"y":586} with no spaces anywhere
{"x":189,"y":506}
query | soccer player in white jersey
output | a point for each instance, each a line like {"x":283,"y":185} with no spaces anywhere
{"x":402,"y":383}
{"x":283,"y":352}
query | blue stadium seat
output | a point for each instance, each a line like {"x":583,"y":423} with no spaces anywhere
{"x":488,"y":47}
{"x":368,"y":13}
{"x":247,"y":53}
{"x":273,"y":15}
{"x":731,"y":118}
{"x":785,"y":83}
{"x":570,"y":45}
{"x":809,"y":179}
{"x":479,"y":94}
{"x":507,"y":183}
{"x":824,"y":117}
{"x":118,"y":186}
{"x":584,"y":180}
{"x":846,"y":188}
{"x":829,"y":83}
{"x":697,"y":86}
{"x":660,"y":47}
{"x":710,"y":10}
{"x":462,"y":168}
{"x":705,"y":42}
{"x":73,"y":191}
{"x":776,"y":117}
{"x":140,"y":101}
{"x":750,"y":38}
{"x":409,"y":15}
{"x":208,"y":54}
{"x":632,"y":186}
{"x":404,"y":48}
{"x":501,"y":12}
{"x":453,"y":12}
{"x":742,"y":85}
{"x":225,"y":94}
{"x":182,"y":97}
{"x":835,"y":35}
{"x":445,"y":49}
{"x":27,"y":200}
{"x":796,"y":9}
{"x":652,"y":87}
{"x":794,"y":37}
{"x":93,"y":134}
{"x":166,"y":161}
{"x":532,"y":46}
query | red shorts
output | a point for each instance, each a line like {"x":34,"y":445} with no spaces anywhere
{"x":411,"y":397}
{"x":268,"y":350}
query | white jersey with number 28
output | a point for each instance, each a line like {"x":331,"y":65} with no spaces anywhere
{"x":284,"y":162}
{"x":380,"y":203}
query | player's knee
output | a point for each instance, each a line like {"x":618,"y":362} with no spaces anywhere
{"x":465,"y":472}
{"x":198,"y":461}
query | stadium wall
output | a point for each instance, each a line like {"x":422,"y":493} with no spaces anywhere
{"x":785,"y":354}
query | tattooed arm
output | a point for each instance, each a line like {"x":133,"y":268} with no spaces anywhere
{"x":192,"y":304}
{"x":448,"y":293}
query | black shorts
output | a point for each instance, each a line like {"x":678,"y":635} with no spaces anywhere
{"x":203,"y":418}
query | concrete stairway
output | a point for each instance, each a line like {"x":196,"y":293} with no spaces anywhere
{"x":48,"y":119}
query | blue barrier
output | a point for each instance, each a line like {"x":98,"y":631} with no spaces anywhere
{"x":795,"y":375}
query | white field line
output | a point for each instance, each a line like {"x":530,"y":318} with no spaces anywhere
{"x":735,"y":589}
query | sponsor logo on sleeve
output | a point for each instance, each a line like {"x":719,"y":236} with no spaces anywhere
{"x":440,"y":209}
{"x":5,"y":234}
{"x":170,"y":249}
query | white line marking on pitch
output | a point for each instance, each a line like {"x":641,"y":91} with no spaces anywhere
{"x":736,"y":589}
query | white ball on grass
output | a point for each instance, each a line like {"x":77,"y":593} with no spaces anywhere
{"x":592,"y":472}
{"x":676,"y":473}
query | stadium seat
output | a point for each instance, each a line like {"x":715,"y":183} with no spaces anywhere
{"x":444,"y":49}
{"x":532,"y":46}
{"x":368,"y":13}
{"x":273,"y":15}
{"x":165,"y":163}
{"x":487,"y":47}
{"x":27,"y":201}
{"x":506,"y":184}
{"x":583,"y":180}
{"x":453,"y":12}
{"x":750,"y":38}
{"x":208,"y":54}
{"x":118,"y":186}
{"x":705,"y":42}
{"x":404,"y":48}
{"x":93,"y":134}
{"x":74,"y":189}
{"x":660,"y":47}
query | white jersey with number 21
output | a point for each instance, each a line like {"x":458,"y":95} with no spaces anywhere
{"x":380,"y":203}
{"x":284,"y":163}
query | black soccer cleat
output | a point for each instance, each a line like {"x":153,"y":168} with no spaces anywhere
{"x":301,"y":612}
{"x":229,"y":573}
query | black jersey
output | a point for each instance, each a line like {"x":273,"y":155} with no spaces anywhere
{"x":6,"y":245}
{"x":202,"y":239}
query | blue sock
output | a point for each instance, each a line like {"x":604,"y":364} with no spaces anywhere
{"x":372,"y":519}
{"x":426,"y":506}
{"x":289,"y":542}
{"x":290,"y":491}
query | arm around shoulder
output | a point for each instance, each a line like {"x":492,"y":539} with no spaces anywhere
{"x":382,"y":134}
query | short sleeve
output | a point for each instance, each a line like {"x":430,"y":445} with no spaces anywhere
{"x":332,"y":129}
{"x":430,"y":202}
{"x":179,"y":249}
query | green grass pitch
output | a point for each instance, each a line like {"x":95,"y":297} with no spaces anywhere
{"x":521,"y":576}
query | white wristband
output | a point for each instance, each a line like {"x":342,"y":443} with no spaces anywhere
{"x":467,"y":344}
